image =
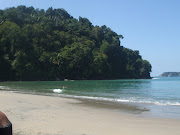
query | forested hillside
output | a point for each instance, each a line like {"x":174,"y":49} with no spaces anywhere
{"x":52,"y":45}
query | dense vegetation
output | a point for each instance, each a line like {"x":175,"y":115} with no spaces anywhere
{"x":52,"y":45}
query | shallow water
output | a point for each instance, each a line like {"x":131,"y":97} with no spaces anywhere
{"x":160,"y":95}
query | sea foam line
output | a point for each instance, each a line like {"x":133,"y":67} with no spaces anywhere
{"x":162,"y":103}
{"x":2,"y":87}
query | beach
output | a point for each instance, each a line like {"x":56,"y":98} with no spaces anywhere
{"x":48,"y":115}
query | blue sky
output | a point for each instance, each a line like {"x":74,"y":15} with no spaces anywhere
{"x":150,"y":26}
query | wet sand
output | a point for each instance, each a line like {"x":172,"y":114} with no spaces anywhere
{"x":46,"y":115}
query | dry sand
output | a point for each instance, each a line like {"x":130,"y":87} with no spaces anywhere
{"x":45,"y":115}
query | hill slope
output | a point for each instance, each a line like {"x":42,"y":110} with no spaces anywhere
{"x":52,"y":45}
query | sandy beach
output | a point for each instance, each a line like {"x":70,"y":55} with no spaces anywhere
{"x":46,"y":115}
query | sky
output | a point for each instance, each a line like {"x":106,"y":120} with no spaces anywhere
{"x":150,"y":26}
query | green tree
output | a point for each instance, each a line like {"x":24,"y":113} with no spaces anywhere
{"x":51,"y":45}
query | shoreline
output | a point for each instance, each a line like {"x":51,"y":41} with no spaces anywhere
{"x":142,"y":109}
{"x":76,"y":79}
{"x":47,"y":115}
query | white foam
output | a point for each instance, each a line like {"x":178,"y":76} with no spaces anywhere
{"x":162,"y":103}
{"x":155,"y":78}
{"x":168,"y":103}
{"x":2,"y":87}
{"x":57,"y":90}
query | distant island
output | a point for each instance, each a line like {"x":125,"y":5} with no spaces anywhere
{"x":52,"y":45}
{"x":170,"y":74}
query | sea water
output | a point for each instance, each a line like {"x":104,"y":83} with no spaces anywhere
{"x":159,"y":95}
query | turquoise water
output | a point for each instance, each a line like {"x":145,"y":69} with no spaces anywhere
{"x":153,"y":93}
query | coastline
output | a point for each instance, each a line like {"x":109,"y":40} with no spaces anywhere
{"x":46,"y":115}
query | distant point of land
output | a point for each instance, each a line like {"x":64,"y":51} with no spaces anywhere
{"x":170,"y":74}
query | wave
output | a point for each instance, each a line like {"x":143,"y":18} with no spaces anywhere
{"x":1,"y":87}
{"x":162,"y":103}
{"x":155,"y":78}
{"x":57,"y":90}
{"x":4,"y":88}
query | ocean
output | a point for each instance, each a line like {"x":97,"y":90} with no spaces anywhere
{"x":160,"y":96}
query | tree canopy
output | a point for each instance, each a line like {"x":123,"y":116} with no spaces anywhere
{"x":52,"y":45}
